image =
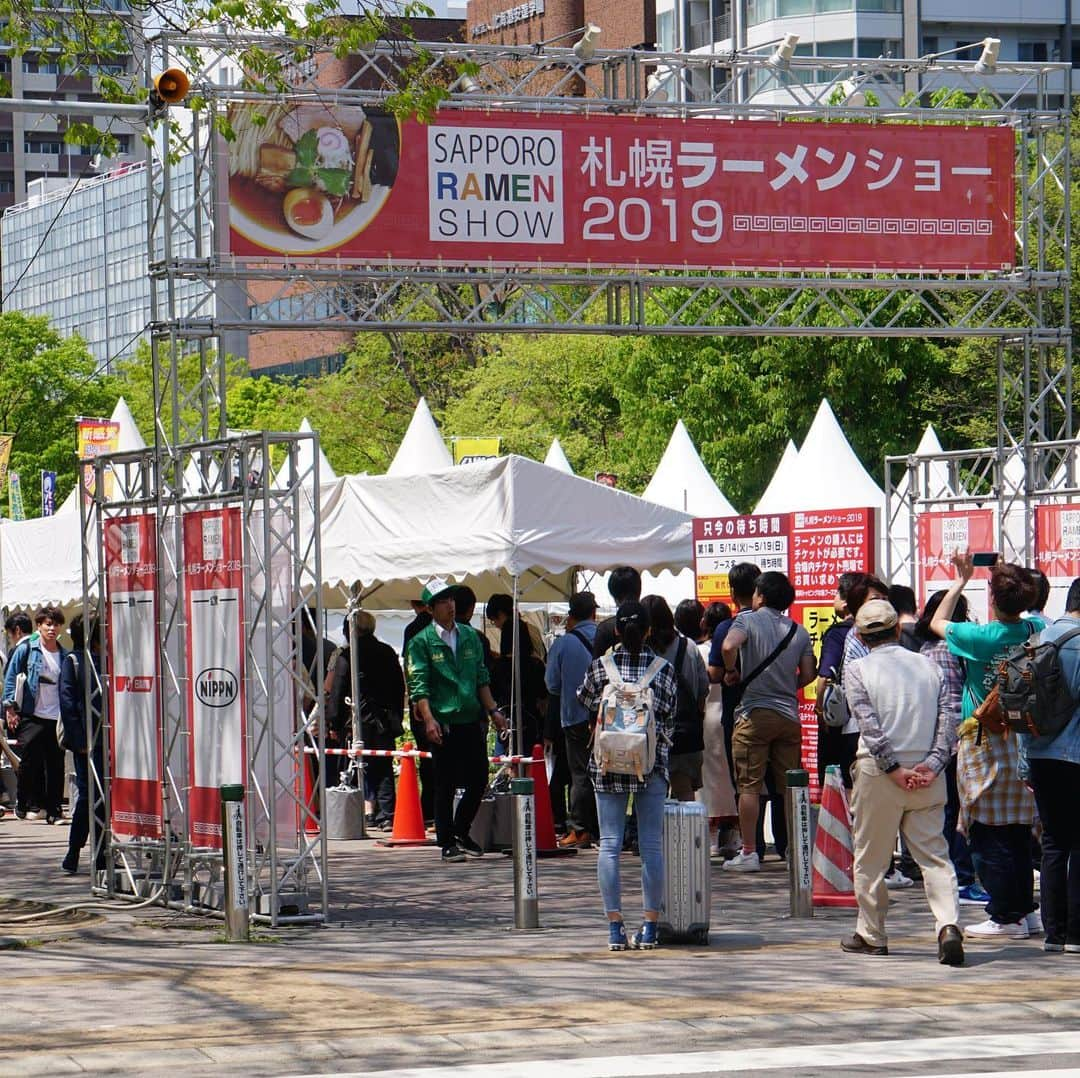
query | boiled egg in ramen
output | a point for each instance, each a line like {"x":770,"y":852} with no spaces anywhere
{"x":308,"y":212}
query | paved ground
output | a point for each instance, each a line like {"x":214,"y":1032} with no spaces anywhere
{"x":421,"y":968}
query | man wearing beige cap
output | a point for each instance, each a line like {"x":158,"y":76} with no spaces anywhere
{"x":907,"y":730}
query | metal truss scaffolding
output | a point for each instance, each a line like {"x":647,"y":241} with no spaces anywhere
{"x":279,"y":515}
{"x":197,"y":465}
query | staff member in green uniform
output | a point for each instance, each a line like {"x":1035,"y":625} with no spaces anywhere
{"x":448,"y":684}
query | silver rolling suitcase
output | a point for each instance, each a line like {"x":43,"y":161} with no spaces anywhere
{"x":687,"y":873}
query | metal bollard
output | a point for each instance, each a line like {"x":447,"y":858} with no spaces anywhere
{"x":526,"y":894}
{"x":799,"y":851}
{"x":235,"y":855}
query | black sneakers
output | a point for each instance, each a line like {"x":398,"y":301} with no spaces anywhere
{"x":451,"y":854}
{"x":469,"y":848}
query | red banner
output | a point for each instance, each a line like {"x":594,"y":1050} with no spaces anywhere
{"x":938,"y":537}
{"x":813,"y":548}
{"x":135,"y":751}
{"x":514,"y":188}
{"x":213,"y":587}
{"x":1057,"y":550}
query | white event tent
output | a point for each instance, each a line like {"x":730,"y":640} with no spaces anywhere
{"x":682,"y":482}
{"x":827,"y":474}
{"x":490,"y":524}
{"x":556,"y":458}
{"x":304,"y":461}
{"x":780,"y":480}
{"x":422,"y":450}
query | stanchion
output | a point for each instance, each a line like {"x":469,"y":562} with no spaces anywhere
{"x":235,"y":863}
{"x":799,"y":851}
{"x":526,"y":892}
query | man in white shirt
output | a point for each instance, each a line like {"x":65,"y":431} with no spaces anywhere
{"x":907,"y":730}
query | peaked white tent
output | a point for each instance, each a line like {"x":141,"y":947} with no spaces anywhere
{"x":488,"y":524}
{"x":933,"y":482}
{"x":556,"y":458}
{"x":304,"y":460}
{"x":780,"y":480}
{"x":422,"y":450}
{"x":681,"y":481}
{"x":826,"y":474}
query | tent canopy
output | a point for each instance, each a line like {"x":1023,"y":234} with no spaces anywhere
{"x":682,"y":481}
{"x":422,"y":450}
{"x":556,"y":458}
{"x":826,"y":474}
{"x":486,"y":524}
{"x":780,"y":481}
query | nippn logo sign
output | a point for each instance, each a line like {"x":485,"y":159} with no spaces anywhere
{"x":216,"y":687}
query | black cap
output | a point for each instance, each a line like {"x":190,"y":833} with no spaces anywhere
{"x":582,"y":605}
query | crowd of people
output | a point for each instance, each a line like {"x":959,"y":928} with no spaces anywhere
{"x":975,"y":810}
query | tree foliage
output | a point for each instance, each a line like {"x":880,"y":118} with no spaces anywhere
{"x":46,"y":381}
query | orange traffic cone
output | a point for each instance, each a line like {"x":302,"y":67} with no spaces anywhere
{"x":408,"y":814}
{"x":833,"y":883}
{"x":546,"y":846}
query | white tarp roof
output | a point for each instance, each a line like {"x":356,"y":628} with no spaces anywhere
{"x":485,"y":524}
{"x":422,"y":450}
{"x":556,"y":458}
{"x":826,"y":475}
{"x":769,"y":501}
{"x":681,"y":480}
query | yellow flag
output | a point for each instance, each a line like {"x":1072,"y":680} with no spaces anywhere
{"x":466,"y":450}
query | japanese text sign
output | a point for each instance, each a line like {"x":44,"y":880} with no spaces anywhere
{"x":721,"y":542}
{"x":1057,"y":550}
{"x":513,"y":188}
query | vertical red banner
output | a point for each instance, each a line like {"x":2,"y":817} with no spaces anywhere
{"x":214,"y":579}
{"x":824,"y":544}
{"x":135,"y":750}
{"x":1057,"y":550}
{"x":938,"y":537}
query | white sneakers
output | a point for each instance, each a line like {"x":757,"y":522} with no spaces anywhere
{"x":897,"y":881}
{"x":991,"y":930}
{"x":1034,"y":923}
{"x":744,"y":862}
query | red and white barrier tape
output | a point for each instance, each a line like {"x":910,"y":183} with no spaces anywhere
{"x":414,"y":753}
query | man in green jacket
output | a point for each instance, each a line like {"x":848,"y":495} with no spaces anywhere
{"x":448,"y":685}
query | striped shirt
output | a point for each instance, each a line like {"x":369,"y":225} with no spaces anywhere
{"x":665,"y":691}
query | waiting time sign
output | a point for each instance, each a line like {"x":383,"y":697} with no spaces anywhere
{"x":506,"y":188}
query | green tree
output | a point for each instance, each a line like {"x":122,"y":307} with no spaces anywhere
{"x":46,"y":380}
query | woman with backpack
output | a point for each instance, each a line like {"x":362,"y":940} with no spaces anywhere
{"x":632,"y":663}
{"x":688,"y":744}
{"x":996,"y":807}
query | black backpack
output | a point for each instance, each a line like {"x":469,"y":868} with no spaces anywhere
{"x":1033,"y":690}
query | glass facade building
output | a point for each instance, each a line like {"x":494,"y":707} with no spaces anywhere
{"x":80,"y":257}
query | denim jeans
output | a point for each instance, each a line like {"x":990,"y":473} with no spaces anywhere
{"x":1002,"y":858}
{"x":611,"y":811}
{"x":1057,"y":793}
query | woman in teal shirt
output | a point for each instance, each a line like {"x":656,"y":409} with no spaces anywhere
{"x":996,"y":808}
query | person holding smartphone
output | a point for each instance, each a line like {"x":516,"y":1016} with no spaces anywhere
{"x":996,"y":807}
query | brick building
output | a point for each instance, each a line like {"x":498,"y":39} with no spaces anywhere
{"x":624,"y":23}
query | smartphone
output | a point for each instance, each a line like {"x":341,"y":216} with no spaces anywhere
{"x":985,"y":559}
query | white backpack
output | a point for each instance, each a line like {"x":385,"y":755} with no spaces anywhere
{"x":624,"y":742}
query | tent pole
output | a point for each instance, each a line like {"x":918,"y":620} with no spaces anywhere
{"x":515,"y":680}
